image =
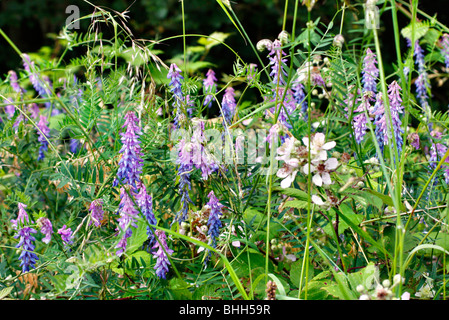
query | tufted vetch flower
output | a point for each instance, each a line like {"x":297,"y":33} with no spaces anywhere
{"x":369,"y":71}
{"x":27,"y":256}
{"x":128,"y":215}
{"x":210,"y":87}
{"x":396,"y":108}
{"x":46,"y":228}
{"x":145,"y":203}
{"x":66,"y":235}
{"x":162,"y":250}
{"x":24,"y":233}
{"x":214,"y":222}
{"x":96,"y":212}
{"x":43,"y":134}
{"x":228,"y":106}
{"x":131,"y":163}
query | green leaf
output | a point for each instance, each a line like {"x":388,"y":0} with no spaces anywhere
{"x":280,"y":286}
{"x":315,"y":290}
{"x":5,"y":292}
{"x":421,"y":29}
{"x":292,"y":192}
{"x":179,"y":289}
{"x":340,"y":289}
{"x":366,"y":277}
{"x":421,"y":247}
{"x":295,"y":272}
{"x":298,"y":204}
{"x":367,"y":198}
{"x":347,"y":215}
{"x":215,"y":38}
{"x":386,"y":199}
{"x":138,"y":237}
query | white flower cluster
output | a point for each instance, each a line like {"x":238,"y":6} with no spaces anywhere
{"x":383,"y":291}
{"x":295,"y":157}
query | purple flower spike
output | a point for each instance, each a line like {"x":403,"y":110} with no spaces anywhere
{"x":131,"y":163}
{"x":162,"y":262}
{"x":369,"y":72}
{"x":380,"y":122}
{"x":444,"y":42}
{"x":414,"y":140}
{"x":10,"y":109}
{"x":43,"y":132}
{"x":22,"y":217}
{"x":228,"y":105}
{"x":437,"y":150}
{"x":214,"y":222}
{"x":128,"y":218}
{"x":300,"y":98}
{"x":201,"y":159}
{"x":96,"y":212}
{"x":34,"y":110}
{"x":27,"y":256}
{"x":66,"y":235}
{"x":174,"y":74}
{"x":422,"y":83}
{"x":396,"y":108}
{"x":360,"y":120}
{"x":210,"y":87}
{"x":46,"y":229}
{"x":185,"y":162}
{"x":74,"y":144}
{"x":40,"y":85}
{"x":277,"y":63}
{"x":13,"y":80}
{"x":145,"y":203}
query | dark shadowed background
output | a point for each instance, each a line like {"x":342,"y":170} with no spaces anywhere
{"x":33,"y":24}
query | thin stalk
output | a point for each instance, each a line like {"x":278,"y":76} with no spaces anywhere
{"x":394,"y":157}
{"x":305,"y":261}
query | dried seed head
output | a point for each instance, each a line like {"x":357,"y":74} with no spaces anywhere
{"x":271,"y":290}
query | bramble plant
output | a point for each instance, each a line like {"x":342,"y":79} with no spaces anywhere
{"x":317,"y":170}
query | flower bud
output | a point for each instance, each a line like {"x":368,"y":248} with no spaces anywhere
{"x":338,"y":41}
{"x":284,"y":37}
{"x":264,"y":44}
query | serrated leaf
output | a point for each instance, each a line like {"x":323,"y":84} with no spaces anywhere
{"x":213,"y":39}
{"x":367,"y":277}
{"x":292,"y":192}
{"x":421,"y":29}
{"x":386,"y":199}
{"x":298,"y":204}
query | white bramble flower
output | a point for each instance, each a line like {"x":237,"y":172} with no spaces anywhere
{"x":288,"y":173}
{"x":295,"y":156}
{"x":318,"y":146}
{"x":322,"y":170}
